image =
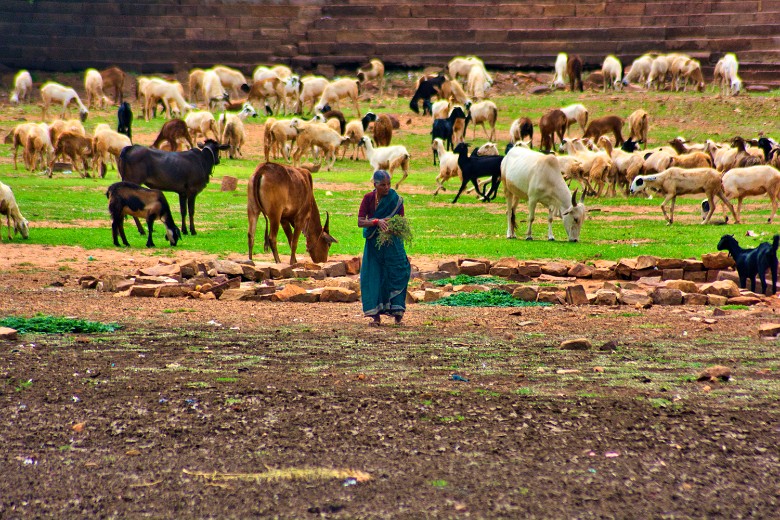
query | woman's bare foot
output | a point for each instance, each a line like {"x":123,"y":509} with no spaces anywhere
{"x":375,"y":321}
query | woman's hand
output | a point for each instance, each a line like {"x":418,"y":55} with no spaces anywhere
{"x":382,"y":223}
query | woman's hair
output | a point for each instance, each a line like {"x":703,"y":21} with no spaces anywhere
{"x":379,"y":176}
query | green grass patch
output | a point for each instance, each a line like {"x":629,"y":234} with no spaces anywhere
{"x":44,"y":324}
{"x":491,"y":298}
{"x":226,"y":379}
{"x":734,"y":307}
{"x":465,"y":279}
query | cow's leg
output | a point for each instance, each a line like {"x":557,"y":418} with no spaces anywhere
{"x":511,"y":204}
{"x":550,"y":212}
{"x":531,"y":214}
{"x":191,"y":208}
{"x":183,"y":209}
{"x":272,"y":230}
{"x":292,"y":234}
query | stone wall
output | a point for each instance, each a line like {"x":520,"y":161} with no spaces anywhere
{"x":175,"y":35}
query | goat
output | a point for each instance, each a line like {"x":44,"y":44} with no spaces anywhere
{"x":448,"y":164}
{"x":59,"y":126}
{"x":38,"y":145}
{"x":341,"y":122}
{"x":55,"y":93}
{"x":574,"y":71}
{"x":232,"y":129}
{"x":520,"y":129}
{"x":126,"y":198}
{"x":312,"y":89}
{"x":560,"y":70}
{"x":319,"y":135}
{"x":612,"y":71}
{"x":375,"y":70}
{"x":602,"y":125}
{"x":23,"y":85}
{"x":18,"y":137}
{"x":265,"y":88}
{"x":383,"y":128}
{"x":752,"y":262}
{"x":461,"y":66}
{"x":10,"y":209}
{"x":388,"y":158}
{"x":171,"y":132}
{"x":74,"y":146}
{"x":285,"y":196}
{"x":474,"y":167}
{"x":731,"y":84}
{"x":745,"y":157}
{"x":158,"y":89}
{"x":576,"y":113}
{"x":551,"y":124}
{"x":114,"y":78}
{"x":658,"y":70}
{"x":481,"y":113}
{"x":478,"y":82}
{"x":93,"y":84}
{"x":596,"y":164}
{"x":214,"y":93}
{"x":639,"y":125}
{"x":639,"y":71}
{"x":231,"y":79}
{"x":124,"y":117}
{"x":106,"y":141}
{"x":752,"y":180}
{"x":442,"y":128}
{"x":354,"y":134}
{"x":679,"y":181}
{"x":691,"y":160}
{"x":441,"y":109}
{"x":427,"y":88}
{"x":628,"y":165}
{"x":201,"y":122}
{"x":195,"y":84}
{"x":340,"y":89}
{"x":536,"y":177}
{"x":276,"y":136}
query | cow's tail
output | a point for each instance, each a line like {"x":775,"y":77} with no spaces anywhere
{"x":258,"y":202}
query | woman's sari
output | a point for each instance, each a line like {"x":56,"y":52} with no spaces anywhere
{"x":385,"y":271}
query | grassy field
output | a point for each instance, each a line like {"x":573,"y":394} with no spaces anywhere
{"x":67,"y":210}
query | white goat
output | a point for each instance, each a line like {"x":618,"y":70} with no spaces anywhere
{"x":93,"y":84}
{"x":39,"y":146}
{"x":461,"y":66}
{"x":753,"y":180}
{"x":448,"y":164}
{"x":104,"y":142}
{"x":313,"y":87}
{"x":155,"y":89}
{"x":612,"y":71}
{"x":231,"y":79}
{"x":576,"y":113}
{"x":55,"y":93}
{"x":387,"y":158}
{"x":201,"y":122}
{"x":536,"y":177}
{"x":440,"y":109}
{"x":478,"y":82}
{"x":195,"y":83}
{"x":319,"y":135}
{"x":560,"y":71}
{"x":731,"y":84}
{"x":338,"y":90}
{"x":212,"y":90}
{"x":10,"y":209}
{"x":658,"y":70}
{"x":639,"y":71}
{"x":680,"y":181}
{"x":22,"y":87}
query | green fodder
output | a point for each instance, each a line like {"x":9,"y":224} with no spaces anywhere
{"x":465,"y":279}
{"x":491,"y":298}
{"x":56,"y":325}
{"x":397,"y":226}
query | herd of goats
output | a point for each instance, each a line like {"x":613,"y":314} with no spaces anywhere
{"x":454,"y":98}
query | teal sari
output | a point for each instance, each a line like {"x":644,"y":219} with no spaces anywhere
{"x":384,"y":272}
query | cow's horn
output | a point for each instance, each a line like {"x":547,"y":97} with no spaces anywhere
{"x":574,"y":198}
{"x":326,"y":227}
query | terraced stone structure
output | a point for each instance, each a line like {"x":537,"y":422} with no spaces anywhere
{"x":175,"y":35}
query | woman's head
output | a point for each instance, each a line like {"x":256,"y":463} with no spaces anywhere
{"x":381,"y":180}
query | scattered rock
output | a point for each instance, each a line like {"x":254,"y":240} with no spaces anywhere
{"x":473,"y":268}
{"x":744,"y":300}
{"x":636,"y":298}
{"x":646,"y":262}
{"x":576,"y":344}
{"x":580,"y":270}
{"x":575,"y":295}
{"x":339,"y":294}
{"x":715,"y":372}
{"x":769,"y":329}
{"x":161,"y":270}
{"x":695,"y":299}
{"x":555,"y":269}
{"x":725,"y":288}
{"x":609,"y":346}
{"x":229,"y":183}
{"x":719,"y":260}
{"x":8,"y":333}
{"x":667,"y":296}
{"x":682,"y":285}
{"x":526,"y":293}
{"x":606,"y":297}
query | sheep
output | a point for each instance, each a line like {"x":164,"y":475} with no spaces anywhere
{"x":292,"y":88}
{"x":448,"y":164}
{"x":383,"y":128}
{"x":195,"y":83}
{"x":354,"y":134}
{"x":597,"y":164}
{"x":336,"y":120}
{"x":658,"y":71}
{"x":478,"y":82}
{"x":723,"y":156}
{"x":232,"y":125}
{"x":639,"y":71}
{"x":23,"y":85}
{"x":201,"y":122}
{"x":461,"y":67}
{"x":60,"y":126}
{"x":124,"y":116}
{"x":692,"y":160}
{"x":126,"y":198}
{"x":612,"y":71}
{"x":551,"y":124}
{"x":681,"y":146}
{"x":731,"y":84}
{"x":574,"y":71}
{"x":316,"y":134}
{"x":452,"y":90}
{"x":340,"y":89}
{"x":231,"y":79}
{"x":18,"y":137}
{"x":387,"y":158}
{"x":10,"y":209}
{"x":560,"y":70}
{"x":536,"y":177}
{"x":752,"y":180}
{"x":277,"y":134}
{"x":639,"y":124}
{"x":576,"y":113}
{"x":158,"y":89}
{"x":55,"y":93}
{"x":214,"y":93}
{"x":171,"y":132}
{"x":282,"y":71}
{"x":521,"y":128}
{"x":746,"y":157}
{"x":39,"y":145}
{"x":74,"y":146}
{"x":114,"y":77}
{"x":679,"y":181}
{"x":313,"y":87}
{"x":657,"y":161}
{"x":106,"y":141}
{"x":375,"y":70}
{"x":265,"y":88}
{"x":602,"y":125}
{"x":691,"y":74}
{"x":481,"y":113}
{"x":93,"y":84}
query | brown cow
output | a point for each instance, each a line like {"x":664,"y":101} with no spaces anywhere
{"x":285,"y":195}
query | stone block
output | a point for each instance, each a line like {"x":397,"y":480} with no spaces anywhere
{"x":503,"y":272}
{"x":576,"y":344}
{"x":667,"y":296}
{"x":431,"y":295}
{"x":606,"y":297}
{"x":601,"y":273}
{"x":695,"y":276}
{"x":744,"y":300}
{"x":228,"y":267}
{"x":669,"y":263}
{"x":114,"y":283}
{"x":285,"y":293}
{"x":725,"y":288}
{"x":8,"y":333}
{"x":144,"y":291}
{"x":253,"y":273}
{"x":450,"y":267}
{"x":339,"y":294}
{"x":555,"y":269}
{"x":646,"y":262}
{"x":161,"y":270}
{"x":580,"y":270}
{"x":241,"y":293}
{"x":334,"y":269}
{"x":716,"y":300}
{"x":305,"y":297}
{"x":650,"y":272}
{"x":769,"y":329}
{"x":719,"y":260}
{"x":672,"y":274}
{"x":692,"y":265}
{"x":551,"y":296}
{"x":683,"y":285}
{"x":473,"y":268}
{"x":695,"y":299}
{"x":510,"y":263}
{"x":625,"y":267}
{"x":575,"y":295}
{"x":530,"y":270}
{"x":526,"y":293}
{"x":280,"y":271}
{"x":415,"y":296}
{"x":728,"y":275}
{"x":229,"y":183}
{"x":188,"y":268}
{"x":352,"y":265}
{"x":172,"y":291}
{"x":636,"y":298}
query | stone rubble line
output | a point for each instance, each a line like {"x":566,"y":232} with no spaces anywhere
{"x":640,"y":282}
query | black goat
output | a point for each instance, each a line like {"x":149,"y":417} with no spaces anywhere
{"x":476,"y":166}
{"x":443,"y":129}
{"x":126,"y":198}
{"x":752,"y":262}
{"x":125,"y":120}
{"x":766,"y":146}
{"x":427,"y":89}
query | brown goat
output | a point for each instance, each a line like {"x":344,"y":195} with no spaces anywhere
{"x":744,"y":158}
{"x":171,"y":132}
{"x":574,"y":71}
{"x":692,"y":160}
{"x":639,"y":123}
{"x":383,"y":130}
{"x":114,"y":77}
{"x":552,"y":123}
{"x":76,"y":147}
{"x":603,"y":125}
{"x":127,"y":198}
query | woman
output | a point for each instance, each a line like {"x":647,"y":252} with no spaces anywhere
{"x":384,"y":271}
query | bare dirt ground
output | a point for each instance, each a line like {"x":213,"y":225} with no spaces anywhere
{"x":209,"y":409}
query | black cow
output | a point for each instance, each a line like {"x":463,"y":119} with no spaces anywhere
{"x":186,"y":173}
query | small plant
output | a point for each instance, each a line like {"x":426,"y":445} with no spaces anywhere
{"x":455,"y":418}
{"x":524,"y":391}
{"x":465,"y":279}
{"x":23,"y":385}
{"x":226,"y":379}
{"x":492,"y":298}
{"x":441,"y":483}
{"x":56,"y":325}
{"x":397,"y":226}
{"x":734,"y":307}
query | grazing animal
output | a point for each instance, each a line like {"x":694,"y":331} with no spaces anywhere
{"x":171,"y":132}
{"x":383,"y":128}
{"x":23,"y":85}
{"x":124,"y":117}
{"x":114,"y":77}
{"x":576,"y":113}
{"x":560,"y":70}
{"x":521,"y":128}
{"x":10,"y":209}
{"x":602,"y":125}
{"x":752,"y":262}
{"x":639,"y":124}
{"x":474,"y":167}
{"x":426,"y":89}
{"x":574,"y":71}
{"x":442,"y":128}
{"x":55,"y":93}
{"x":186,"y":173}
{"x":126,"y":198}
{"x":285,"y":196}
{"x":537,"y":178}
{"x":551,"y":124}
{"x":387,"y":158}
{"x":375,"y":70}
